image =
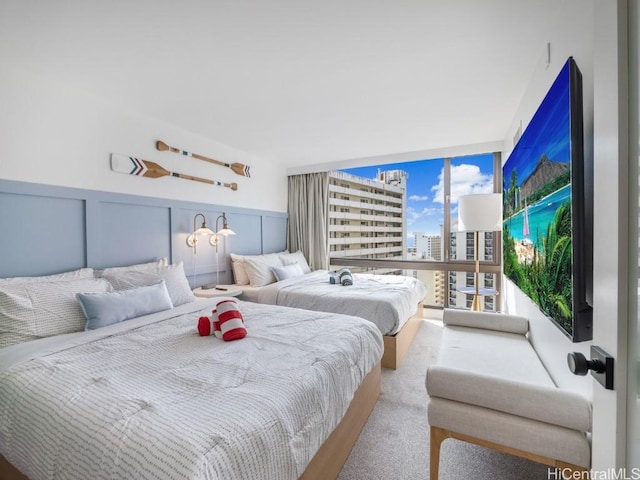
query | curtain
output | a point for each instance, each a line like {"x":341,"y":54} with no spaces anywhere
{"x":308,"y":206}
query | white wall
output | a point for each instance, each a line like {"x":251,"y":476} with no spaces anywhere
{"x":54,"y":134}
{"x":611,"y":222}
{"x":573,"y":36}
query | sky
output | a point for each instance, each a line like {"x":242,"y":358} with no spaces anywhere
{"x":548,"y":132}
{"x":425,"y":199}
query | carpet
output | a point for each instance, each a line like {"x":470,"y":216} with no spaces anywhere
{"x":394,"y":444}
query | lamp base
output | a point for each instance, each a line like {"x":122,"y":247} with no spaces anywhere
{"x":476,"y":304}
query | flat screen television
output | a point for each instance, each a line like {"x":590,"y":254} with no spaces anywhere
{"x":548,"y":209}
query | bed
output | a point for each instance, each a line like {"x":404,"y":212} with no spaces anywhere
{"x":392,"y":302}
{"x":148,"y":397}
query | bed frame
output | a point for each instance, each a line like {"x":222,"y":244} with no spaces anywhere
{"x":329,"y":460}
{"x":396,"y":346}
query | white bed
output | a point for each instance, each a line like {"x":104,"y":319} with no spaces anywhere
{"x":149,"y":398}
{"x":392,"y":302}
{"x":386,"y":300}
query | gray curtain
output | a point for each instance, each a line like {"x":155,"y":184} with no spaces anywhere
{"x":308,"y":208}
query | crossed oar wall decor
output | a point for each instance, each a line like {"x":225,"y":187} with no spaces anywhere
{"x":238,"y":168}
{"x":146,"y":168}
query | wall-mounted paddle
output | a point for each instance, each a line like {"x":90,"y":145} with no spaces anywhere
{"x":238,"y":168}
{"x":146,"y":168}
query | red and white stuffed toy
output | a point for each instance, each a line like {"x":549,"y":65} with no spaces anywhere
{"x":226,"y":322}
{"x":209,"y":326}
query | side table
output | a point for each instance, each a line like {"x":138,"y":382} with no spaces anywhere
{"x":219,"y":291}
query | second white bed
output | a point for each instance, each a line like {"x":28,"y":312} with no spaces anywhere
{"x":386,"y":300}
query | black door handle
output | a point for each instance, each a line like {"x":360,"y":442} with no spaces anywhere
{"x":601,"y":366}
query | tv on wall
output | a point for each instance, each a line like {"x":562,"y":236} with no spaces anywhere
{"x":547,"y":209}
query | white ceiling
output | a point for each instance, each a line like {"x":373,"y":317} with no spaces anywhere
{"x":295,"y":81}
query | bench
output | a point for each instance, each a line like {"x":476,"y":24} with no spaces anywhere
{"x":489,"y":387}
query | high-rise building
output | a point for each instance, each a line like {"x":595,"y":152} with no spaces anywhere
{"x":428,"y":246}
{"x":367,"y":216}
{"x":462,"y":248}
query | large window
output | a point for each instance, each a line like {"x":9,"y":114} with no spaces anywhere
{"x":413,"y":217}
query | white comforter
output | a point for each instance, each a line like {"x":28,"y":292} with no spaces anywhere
{"x":150,"y":399}
{"x":386,"y":300}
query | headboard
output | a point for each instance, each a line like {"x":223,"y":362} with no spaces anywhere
{"x":46,"y":229}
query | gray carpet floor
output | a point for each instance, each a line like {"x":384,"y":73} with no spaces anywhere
{"x":394,"y":443}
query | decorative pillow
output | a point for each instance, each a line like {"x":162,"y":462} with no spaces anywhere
{"x":42,"y":309}
{"x":102,"y":309}
{"x":239,"y":272}
{"x":152,"y":266}
{"x":297,"y":257}
{"x":62,"y":277}
{"x":259,"y":269}
{"x":287,"y":271}
{"x":230,"y":320}
{"x":177,"y":283}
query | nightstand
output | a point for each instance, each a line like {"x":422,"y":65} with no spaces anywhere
{"x":475,"y":305}
{"x":230,"y":291}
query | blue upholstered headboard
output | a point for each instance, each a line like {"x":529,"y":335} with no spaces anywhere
{"x":46,"y":229}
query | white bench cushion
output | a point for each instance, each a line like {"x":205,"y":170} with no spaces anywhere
{"x":502,"y":371}
{"x":486,"y":320}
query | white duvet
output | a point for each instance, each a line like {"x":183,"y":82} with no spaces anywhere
{"x":150,"y":399}
{"x":386,"y":300}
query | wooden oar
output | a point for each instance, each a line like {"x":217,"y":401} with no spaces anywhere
{"x":238,"y":168}
{"x":146,"y":168}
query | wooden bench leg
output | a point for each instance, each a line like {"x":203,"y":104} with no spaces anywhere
{"x":437,"y":436}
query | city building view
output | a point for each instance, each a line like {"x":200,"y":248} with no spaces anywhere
{"x":397,"y":212}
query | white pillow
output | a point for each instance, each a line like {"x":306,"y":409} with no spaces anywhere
{"x":259,"y":269}
{"x":42,"y":309}
{"x":102,"y":309}
{"x":287,"y":271}
{"x":238,"y":266}
{"x":173,"y":275}
{"x":298,"y":257}
{"x":149,"y":266}
{"x":66,"y":276}
{"x":239,"y":272}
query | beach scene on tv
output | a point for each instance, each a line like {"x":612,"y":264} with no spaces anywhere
{"x":537,"y":252}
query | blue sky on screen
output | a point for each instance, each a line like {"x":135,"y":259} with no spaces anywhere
{"x":548,"y":132}
{"x":425,"y":199}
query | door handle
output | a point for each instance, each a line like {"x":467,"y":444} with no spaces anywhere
{"x":601,"y":366}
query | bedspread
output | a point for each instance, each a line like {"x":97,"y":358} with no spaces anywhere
{"x":386,"y":300}
{"x":155,"y":400}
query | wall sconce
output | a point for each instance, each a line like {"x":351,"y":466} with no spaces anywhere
{"x":224,"y":231}
{"x":214,"y":237}
{"x":192,"y":240}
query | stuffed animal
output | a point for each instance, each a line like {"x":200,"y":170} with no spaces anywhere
{"x":230,"y":320}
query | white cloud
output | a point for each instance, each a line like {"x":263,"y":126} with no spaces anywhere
{"x":418,"y":198}
{"x":414,"y":215}
{"x":465,"y":180}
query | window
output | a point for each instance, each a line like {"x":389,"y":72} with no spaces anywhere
{"x":426,"y":229}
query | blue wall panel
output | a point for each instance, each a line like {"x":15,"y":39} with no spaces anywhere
{"x":132,"y":233}
{"x":40,"y":235}
{"x":47,"y":229}
{"x":274,"y":233}
{"x":248,"y":238}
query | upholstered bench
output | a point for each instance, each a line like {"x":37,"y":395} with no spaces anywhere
{"x":488,"y":387}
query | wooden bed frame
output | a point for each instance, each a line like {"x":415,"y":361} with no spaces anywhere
{"x":329,"y":460}
{"x":396,"y":346}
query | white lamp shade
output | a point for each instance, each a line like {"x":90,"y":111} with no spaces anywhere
{"x":226,"y":231}
{"x":203,"y":231}
{"x":481,"y":212}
